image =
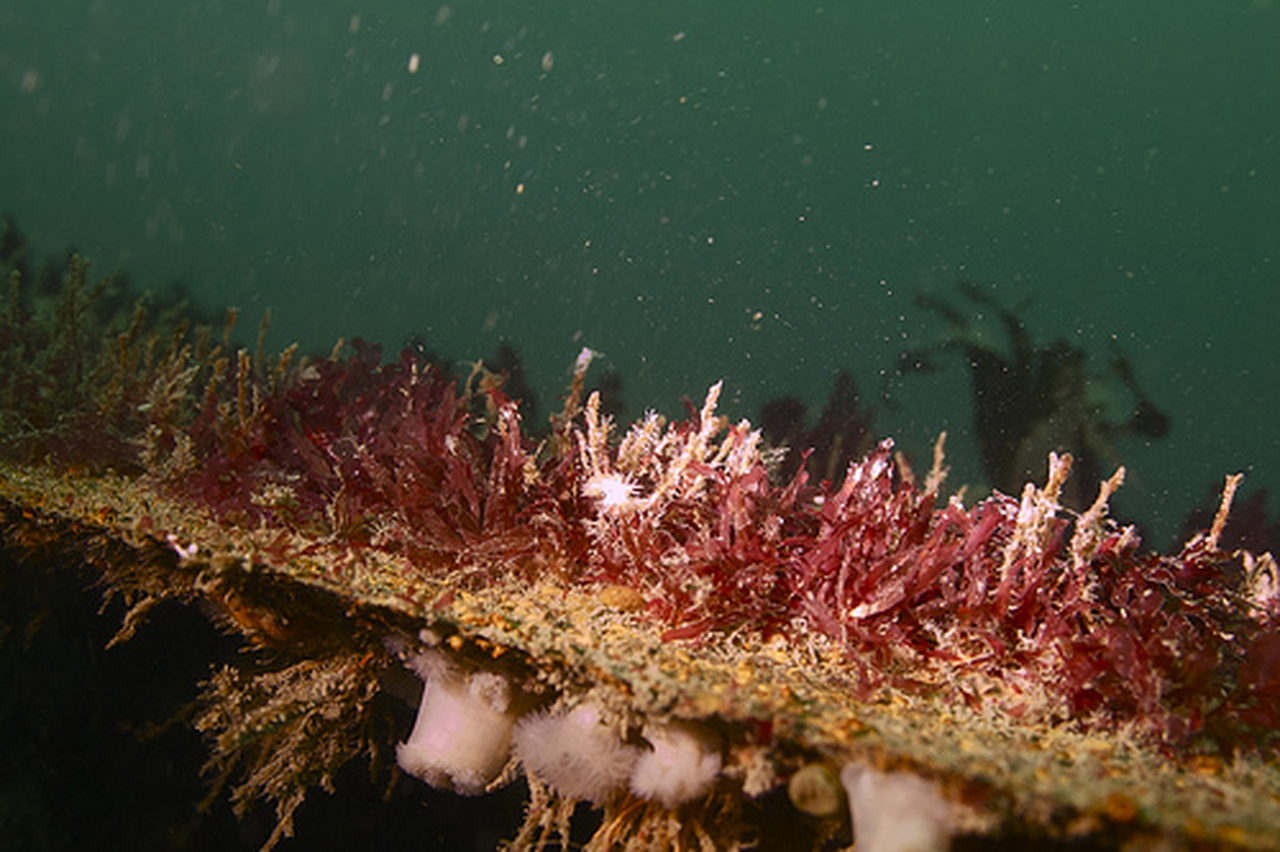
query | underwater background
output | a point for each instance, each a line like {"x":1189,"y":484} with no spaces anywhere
{"x":754,"y":191}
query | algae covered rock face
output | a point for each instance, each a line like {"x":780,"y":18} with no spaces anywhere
{"x":650,"y":600}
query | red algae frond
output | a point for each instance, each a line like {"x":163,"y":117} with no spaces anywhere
{"x":384,"y":456}
{"x":694,"y":524}
{"x":1007,"y":602}
{"x":994,"y":603}
{"x":1010,"y":602}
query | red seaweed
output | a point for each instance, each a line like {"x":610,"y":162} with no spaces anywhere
{"x":1012,"y":602}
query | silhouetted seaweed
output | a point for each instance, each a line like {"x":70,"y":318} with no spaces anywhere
{"x":1031,"y":399}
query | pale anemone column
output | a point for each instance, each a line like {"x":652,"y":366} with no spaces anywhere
{"x":461,"y":739}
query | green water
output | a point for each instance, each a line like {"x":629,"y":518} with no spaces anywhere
{"x":753,"y":191}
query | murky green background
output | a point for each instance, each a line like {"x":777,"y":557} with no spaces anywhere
{"x":751,"y":190}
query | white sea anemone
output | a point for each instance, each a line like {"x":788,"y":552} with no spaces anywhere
{"x":462,"y":737}
{"x":896,"y":811}
{"x":575,"y":752}
{"x":683,"y":764}
{"x":614,"y":493}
